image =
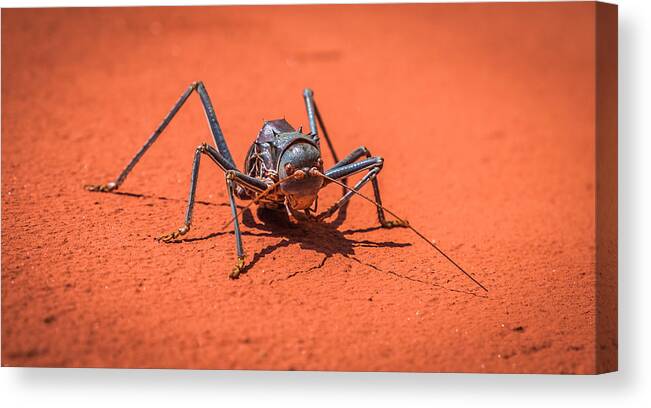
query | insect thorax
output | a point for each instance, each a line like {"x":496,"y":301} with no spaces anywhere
{"x":264,"y":154}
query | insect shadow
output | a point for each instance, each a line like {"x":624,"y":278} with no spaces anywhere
{"x":324,"y":238}
{"x":283,"y":168}
{"x":163,"y":198}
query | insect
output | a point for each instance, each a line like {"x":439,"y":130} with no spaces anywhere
{"x":283,"y":170}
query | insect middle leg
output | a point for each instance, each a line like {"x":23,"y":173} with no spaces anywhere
{"x":233,"y":177}
{"x":349,"y":166}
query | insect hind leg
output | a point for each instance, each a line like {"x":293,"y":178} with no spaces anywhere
{"x":316,"y":121}
{"x":215,"y":129}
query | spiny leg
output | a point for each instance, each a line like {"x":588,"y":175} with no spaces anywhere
{"x":239,"y":265}
{"x":314,"y":117}
{"x":311,"y":115}
{"x":254,"y":187}
{"x":233,"y":178}
{"x":215,"y":129}
{"x":351,"y":158}
{"x":373,"y":165}
{"x":245,"y":181}
{"x":221,"y":156}
{"x":343,"y":169}
{"x":188,"y":213}
{"x":343,"y":200}
{"x":355,"y":155}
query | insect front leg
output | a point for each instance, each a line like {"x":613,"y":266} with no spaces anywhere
{"x":233,"y":177}
{"x":251,"y":186}
{"x":349,"y":166}
{"x":239,"y":265}
{"x":249,"y":183}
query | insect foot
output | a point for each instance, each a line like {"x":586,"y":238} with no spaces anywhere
{"x":395,"y":224}
{"x":237,"y":269}
{"x":101,"y":188}
{"x":171,"y":237}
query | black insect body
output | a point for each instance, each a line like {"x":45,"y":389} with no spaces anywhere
{"x":278,"y":151}
{"x":283,"y":170}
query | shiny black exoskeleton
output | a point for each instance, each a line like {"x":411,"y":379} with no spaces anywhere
{"x":280,"y":151}
{"x":283,"y":169}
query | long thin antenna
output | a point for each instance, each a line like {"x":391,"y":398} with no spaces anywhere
{"x":317,"y":173}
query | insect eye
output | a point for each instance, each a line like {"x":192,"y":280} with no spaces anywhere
{"x":289,"y":169}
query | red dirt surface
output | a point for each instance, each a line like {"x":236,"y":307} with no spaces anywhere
{"x":484,"y":115}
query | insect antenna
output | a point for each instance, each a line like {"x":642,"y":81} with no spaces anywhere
{"x":318,"y":173}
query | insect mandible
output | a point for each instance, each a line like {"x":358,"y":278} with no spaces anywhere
{"x":283,"y":170}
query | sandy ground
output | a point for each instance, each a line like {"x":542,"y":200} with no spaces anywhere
{"x":485,"y":118}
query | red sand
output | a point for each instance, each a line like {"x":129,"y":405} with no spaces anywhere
{"x":484,"y":115}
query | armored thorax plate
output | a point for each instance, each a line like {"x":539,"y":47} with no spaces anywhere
{"x":271,"y":128}
{"x":274,"y":137}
